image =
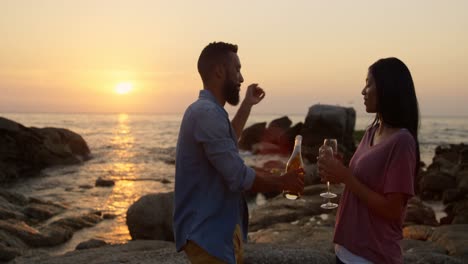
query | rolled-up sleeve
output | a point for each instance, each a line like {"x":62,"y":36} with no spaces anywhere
{"x":212,"y":130}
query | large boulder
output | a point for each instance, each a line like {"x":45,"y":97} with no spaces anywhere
{"x":327,"y":121}
{"x":419,"y":214}
{"x":25,"y":151}
{"x":283,"y":123}
{"x":434,"y":182}
{"x":252,"y":135}
{"x":446,"y":179}
{"x":151,"y":217}
{"x":277,"y":138}
{"x":458,"y":212}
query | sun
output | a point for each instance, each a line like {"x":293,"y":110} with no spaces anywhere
{"x":123,"y":87}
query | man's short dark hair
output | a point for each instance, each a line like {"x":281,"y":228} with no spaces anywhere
{"x":213,"y":54}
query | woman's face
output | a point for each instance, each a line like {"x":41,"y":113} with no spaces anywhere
{"x":370,"y":94}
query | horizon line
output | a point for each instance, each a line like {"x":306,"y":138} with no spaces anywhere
{"x":181,"y":113}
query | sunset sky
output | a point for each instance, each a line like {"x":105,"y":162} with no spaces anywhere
{"x":71,"y":56}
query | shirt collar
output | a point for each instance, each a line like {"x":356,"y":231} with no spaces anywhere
{"x":208,"y":95}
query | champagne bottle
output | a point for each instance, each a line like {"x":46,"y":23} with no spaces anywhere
{"x":294,"y":163}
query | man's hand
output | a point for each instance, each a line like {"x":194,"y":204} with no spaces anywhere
{"x":253,"y":95}
{"x":293,"y":181}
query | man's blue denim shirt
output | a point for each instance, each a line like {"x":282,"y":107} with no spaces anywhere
{"x":210,"y":180}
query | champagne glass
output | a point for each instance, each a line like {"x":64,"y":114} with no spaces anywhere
{"x":328,"y":151}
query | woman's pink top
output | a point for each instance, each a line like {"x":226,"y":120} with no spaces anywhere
{"x":387,"y":167}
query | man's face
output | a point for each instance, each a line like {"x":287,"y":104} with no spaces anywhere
{"x":233,"y":80}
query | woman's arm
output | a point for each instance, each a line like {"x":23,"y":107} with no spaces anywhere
{"x":389,"y":206}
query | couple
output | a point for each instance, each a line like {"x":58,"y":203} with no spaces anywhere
{"x":210,"y":213}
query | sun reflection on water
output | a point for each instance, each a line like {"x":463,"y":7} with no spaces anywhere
{"x":127,"y":168}
{"x":122,"y":170}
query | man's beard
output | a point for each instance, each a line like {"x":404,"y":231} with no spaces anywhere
{"x":230,"y":91}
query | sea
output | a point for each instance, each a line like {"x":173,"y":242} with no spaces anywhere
{"x":137,"y":152}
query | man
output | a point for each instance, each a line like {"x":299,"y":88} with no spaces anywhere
{"x":210,"y":213}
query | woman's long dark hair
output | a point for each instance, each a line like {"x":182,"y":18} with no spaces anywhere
{"x":397,"y":104}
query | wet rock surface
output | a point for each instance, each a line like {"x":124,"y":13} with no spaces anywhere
{"x":24,"y":151}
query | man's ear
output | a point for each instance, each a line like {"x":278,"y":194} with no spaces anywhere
{"x":219,"y":71}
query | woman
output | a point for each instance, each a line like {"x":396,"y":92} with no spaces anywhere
{"x":380,"y":177}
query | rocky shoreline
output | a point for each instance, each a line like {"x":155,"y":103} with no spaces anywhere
{"x":280,"y":231}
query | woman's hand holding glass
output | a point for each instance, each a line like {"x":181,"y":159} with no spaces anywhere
{"x":327,"y":152}
{"x":332,"y":170}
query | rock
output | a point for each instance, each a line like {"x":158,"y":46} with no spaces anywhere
{"x":141,"y":252}
{"x":24,"y":152}
{"x":459,"y":212}
{"x":301,"y":233}
{"x":11,"y":241}
{"x":151,"y":217}
{"x":79,"y":222}
{"x":449,"y":152}
{"x":283,"y":122}
{"x":418,"y":232}
{"x":419,"y":214}
{"x":165,"y":181}
{"x":252,"y":135}
{"x":109,"y":216}
{"x":460,"y":219}
{"x":60,"y":139}
{"x":463,"y":157}
{"x":425,"y":257}
{"x":52,"y":234}
{"x":92,"y":243}
{"x":279,"y":254}
{"x":42,"y":211}
{"x":433,"y":183}
{"x":7,"y":214}
{"x":419,"y":246}
{"x":451,"y":195}
{"x":326,"y":121}
{"x":446,"y":220}
{"x":454,"y":238}
{"x":462,"y":180}
{"x":278,"y":137}
{"x":7,"y":253}
{"x":14,"y":198}
{"x":448,"y":158}
{"x":281,"y":210}
{"x":264,"y":148}
{"x":26,"y":233}
{"x":100,"y":182}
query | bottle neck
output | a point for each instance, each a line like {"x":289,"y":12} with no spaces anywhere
{"x":297,"y":147}
{"x":297,"y":144}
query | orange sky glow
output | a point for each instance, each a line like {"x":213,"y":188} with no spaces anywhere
{"x":68,"y":56}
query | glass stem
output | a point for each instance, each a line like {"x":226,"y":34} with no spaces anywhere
{"x":328,"y":186}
